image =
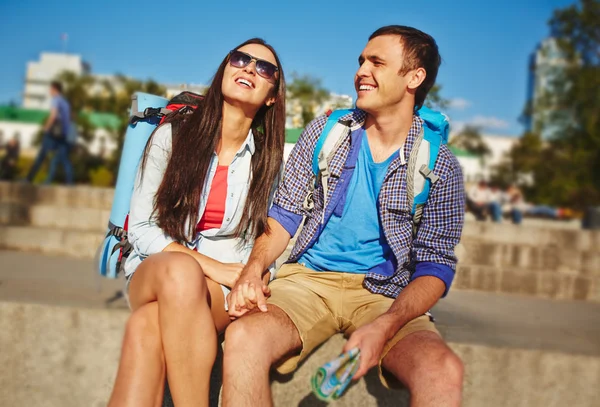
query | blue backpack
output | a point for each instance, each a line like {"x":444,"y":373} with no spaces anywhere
{"x":421,"y":162}
{"x":147,"y":112}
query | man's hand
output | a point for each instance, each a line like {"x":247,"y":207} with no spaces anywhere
{"x":248,"y":293}
{"x":370,"y":339}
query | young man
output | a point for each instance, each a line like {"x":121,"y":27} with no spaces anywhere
{"x":355,"y":267}
{"x":56,"y":129}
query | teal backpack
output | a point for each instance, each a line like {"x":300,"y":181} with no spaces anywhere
{"x":421,"y":162}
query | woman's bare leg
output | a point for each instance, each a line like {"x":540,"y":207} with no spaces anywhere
{"x":187,"y":325}
{"x":141,"y":375}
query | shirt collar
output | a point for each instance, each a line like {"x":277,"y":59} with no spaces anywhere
{"x":413,"y":133}
{"x":248,"y":143}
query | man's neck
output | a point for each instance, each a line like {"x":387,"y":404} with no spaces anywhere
{"x":389,"y":128}
{"x":387,"y":132}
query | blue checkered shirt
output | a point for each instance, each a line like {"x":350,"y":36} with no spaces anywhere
{"x":431,"y":252}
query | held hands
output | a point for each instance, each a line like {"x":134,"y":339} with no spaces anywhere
{"x":251,"y":291}
{"x":370,"y":339}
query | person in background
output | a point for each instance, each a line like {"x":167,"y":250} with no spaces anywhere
{"x":477,"y":200}
{"x":494,"y":200}
{"x":8,"y":166}
{"x":54,"y":138}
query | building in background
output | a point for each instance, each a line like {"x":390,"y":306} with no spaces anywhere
{"x":25,"y":122}
{"x":39,"y":74}
{"x":25,"y":125}
{"x":547,"y":65}
{"x":294,"y":108}
{"x":477,"y":168}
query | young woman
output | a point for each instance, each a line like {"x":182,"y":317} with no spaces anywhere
{"x":200,"y":200}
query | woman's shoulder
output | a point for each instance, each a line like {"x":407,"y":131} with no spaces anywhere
{"x":163,"y":136}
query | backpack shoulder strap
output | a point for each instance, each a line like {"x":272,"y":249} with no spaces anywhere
{"x":421,"y":163}
{"x":333,"y":134}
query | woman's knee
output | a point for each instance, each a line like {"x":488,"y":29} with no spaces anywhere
{"x":181,"y":279}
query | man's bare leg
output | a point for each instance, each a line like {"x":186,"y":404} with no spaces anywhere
{"x":252,"y":344}
{"x":429,"y":368}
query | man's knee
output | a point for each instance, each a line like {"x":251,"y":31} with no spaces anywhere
{"x":443,"y":367}
{"x":431,"y":366}
{"x":450,"y":368}
{"x":245,"y":334}
{"x":260,"y":336}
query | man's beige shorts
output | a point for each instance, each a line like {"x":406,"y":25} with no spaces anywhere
{"x":323,"y":303}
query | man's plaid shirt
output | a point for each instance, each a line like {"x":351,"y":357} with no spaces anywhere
{"x":430,"y":253}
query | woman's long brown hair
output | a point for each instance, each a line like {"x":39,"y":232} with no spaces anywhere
{"x":194,"y":141}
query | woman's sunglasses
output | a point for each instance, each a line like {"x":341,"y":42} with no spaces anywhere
{"x":264,"y":68}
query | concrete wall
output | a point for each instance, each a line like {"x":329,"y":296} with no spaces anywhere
{"x":549,"y":261}
{"x":67,"y":357}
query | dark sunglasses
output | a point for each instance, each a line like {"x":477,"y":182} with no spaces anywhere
{"x":264,"y":68}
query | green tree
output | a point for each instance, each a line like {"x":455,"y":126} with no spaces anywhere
{"x":565,"y":167}
{"x":86,"y":94}
{"x":469,"y":139}
{"x":308,"y":93}
{"x":435,"y":100}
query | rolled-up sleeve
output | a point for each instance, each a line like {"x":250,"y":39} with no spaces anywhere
{"x":144,"y":234}
{"x":287,"y":206}
{"x":441,"y":225}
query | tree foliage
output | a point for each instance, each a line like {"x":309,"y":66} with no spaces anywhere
{"x":309,"y":94}
{"x":87,"y":93}
{"x":469,"y":139}
{"x":565,"y":166}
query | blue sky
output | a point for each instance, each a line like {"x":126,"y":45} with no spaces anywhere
{"x":484,"y":45}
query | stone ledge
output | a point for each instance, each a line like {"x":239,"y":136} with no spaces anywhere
{"x":59,"y":356}
{"x":52,"y":216}
{"x":80,"y":196}
{"x":541,"y":284}
{"x":72,"y":243}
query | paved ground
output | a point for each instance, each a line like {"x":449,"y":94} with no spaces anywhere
{"x":468,"y":317}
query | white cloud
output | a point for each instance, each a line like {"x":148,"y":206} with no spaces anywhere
{"x":489,"y":122}
{"x":484,"y":122}
{"x":459,"y":103}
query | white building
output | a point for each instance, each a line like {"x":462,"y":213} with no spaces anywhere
{"x":40,"y":73}
{"x":475,"y":168}
{"x":173,"y":90}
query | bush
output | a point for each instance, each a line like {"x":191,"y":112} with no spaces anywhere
{"x":101,"y":177}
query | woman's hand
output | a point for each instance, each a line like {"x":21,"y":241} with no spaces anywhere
{"x":226,"y":274}
{"x":223,"y":273}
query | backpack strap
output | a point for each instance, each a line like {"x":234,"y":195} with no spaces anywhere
{"x":421,"y":163}
{"x":136,"y":115}
{"x":332,"y":136}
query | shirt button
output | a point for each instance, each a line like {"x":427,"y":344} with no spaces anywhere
{"x":233,"y":171}
{"x":227,"y":219}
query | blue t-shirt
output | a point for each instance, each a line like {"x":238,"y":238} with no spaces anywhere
{"x":354,"y":242}
{"x":64,"y":112}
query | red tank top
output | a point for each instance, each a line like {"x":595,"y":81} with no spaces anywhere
{"x":215,"y":204}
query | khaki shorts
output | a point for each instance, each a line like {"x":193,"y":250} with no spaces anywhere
{"x":323,"y":303}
